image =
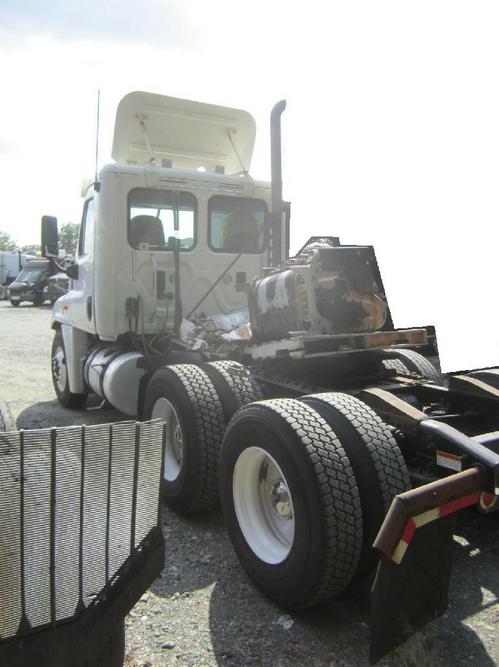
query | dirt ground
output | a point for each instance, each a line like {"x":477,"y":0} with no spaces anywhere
{"x":203,"y":611}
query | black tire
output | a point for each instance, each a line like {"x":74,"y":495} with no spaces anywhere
{"x":60,"y":378}
{"x":376,"y":459}
{"x":415,"y":363}
{"x":15,"y":303}
{"x":396,"y":365}
{"x":5,"y":422}
{"x":320,"y":555}
{"x":235,"y":385}
{"x":38,"y":300}
{"x":185,"y":397}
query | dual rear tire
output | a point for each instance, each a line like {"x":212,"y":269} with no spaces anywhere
{"x":197,"y":402}
{"x":304,"y":487}
{"x":304,"y":484}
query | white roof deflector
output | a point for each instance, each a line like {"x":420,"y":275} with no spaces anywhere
{"x":190,"y":134}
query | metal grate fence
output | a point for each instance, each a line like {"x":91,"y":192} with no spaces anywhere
{"x":75,"y":504}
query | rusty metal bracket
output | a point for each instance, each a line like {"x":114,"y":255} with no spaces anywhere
{"x":473,"y":387}
{"x":414,"y":423}
{"x":393,"y":409}
{"x":415,"y":541}
{"x":417,"y":507}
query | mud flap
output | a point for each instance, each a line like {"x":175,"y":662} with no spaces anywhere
{"x":404,"y":597}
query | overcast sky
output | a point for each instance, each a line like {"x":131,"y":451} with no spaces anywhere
{"x":391,"y":134}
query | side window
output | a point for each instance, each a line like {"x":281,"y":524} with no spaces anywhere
{"x":236,"y":224}
{"x":157,"y":217}
{"x":85,"y":240}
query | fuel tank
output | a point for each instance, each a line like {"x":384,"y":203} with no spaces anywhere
{"x":112,"y":373}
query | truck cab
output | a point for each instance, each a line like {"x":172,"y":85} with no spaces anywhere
{"x":174,"y":229}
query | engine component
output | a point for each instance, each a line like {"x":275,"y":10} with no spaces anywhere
{"x":112,"y":373}
{"x":324,"y":290}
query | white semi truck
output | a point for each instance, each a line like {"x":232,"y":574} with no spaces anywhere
{"x":286,"y":390}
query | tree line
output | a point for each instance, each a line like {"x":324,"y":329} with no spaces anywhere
{"x":68,"y":238}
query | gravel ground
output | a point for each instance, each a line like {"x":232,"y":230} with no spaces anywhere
{"x":203,"y":611}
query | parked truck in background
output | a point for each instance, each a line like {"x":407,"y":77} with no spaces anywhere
{"x":11,"y":263}
{"x":287,"y":392}
{"x":29,"y":283}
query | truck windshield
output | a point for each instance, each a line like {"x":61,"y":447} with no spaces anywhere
{"x":29,"y":276}
{"x":157,"y":217}
{"x":237,"y":224}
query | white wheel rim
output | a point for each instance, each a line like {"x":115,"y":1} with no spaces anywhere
{"x":59,"y":369}
{"x":263,"y":505}
{"x":174,"y":446}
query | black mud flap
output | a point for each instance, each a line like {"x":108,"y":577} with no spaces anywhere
{"x":404,"y":597}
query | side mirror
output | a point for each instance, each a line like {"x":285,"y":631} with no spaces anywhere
{"x":72,"y":271}
{"x":50,"y":237}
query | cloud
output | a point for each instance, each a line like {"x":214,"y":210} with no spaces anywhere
{"x":154,"y":21}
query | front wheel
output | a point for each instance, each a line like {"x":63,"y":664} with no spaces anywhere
{"x":15,"y":303}
{"x":290,"y":502}
{"x":60,"y":377}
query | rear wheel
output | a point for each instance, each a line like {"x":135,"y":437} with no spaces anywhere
{"x":60,"y":377}
{"x":38,"y":300}
{"x":376,"y":460}
{"x":290,"y":502}
{"x":411,"y":362}
{"x":15,"y":303}
{"x":185,"y":398}
{"x":235,"y":385}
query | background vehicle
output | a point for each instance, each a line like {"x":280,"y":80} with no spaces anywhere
{"x":29,"y":284}
{"x":11,"y":263}
{"x":210,"y":315}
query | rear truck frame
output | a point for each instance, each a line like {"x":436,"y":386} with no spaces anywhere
{"x":415,"y":540}
{"x":288,"y":394}
{"x":80,"y":540}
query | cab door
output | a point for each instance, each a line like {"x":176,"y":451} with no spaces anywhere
{"x":82,"y":301}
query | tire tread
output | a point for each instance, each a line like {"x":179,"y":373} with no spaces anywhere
{"x":414,"y":363}
{"x":336,"y":486}
{"x":235,"y":383}
{"x":209,"y":425}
